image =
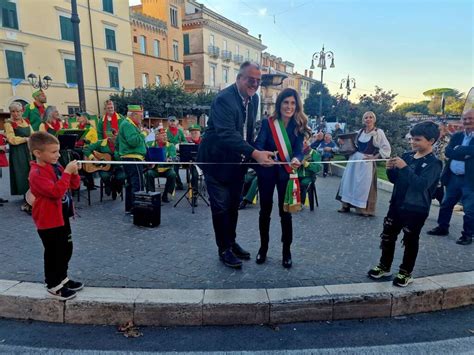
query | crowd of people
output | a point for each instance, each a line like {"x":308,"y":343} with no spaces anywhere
{"x":285,"y":156}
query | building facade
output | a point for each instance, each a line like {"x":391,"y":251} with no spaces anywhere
{"x":157,"y":42}
{"x":304,"y":83}
{"x":45,"y":47}
{"x":214,"y":48}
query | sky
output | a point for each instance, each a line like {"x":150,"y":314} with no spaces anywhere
{"x":407,"y":46}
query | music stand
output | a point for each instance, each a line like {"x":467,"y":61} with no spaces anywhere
{"x":188,"y":153}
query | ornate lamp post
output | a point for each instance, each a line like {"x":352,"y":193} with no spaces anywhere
{"x":347,"y":82}
{"x":275,"y":79}
{"x":321,"y":58}
{"x":39,"y":83}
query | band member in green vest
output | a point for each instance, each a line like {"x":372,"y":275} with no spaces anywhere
{"x":165,"y":171}
{"x":115,"y":177}
{"x":175,"y":136}
{"x":34,"y":112}
{"x":131,"y":146}
{"x":307,"y":172}
{"x":18,"y":130}
{"x":111,"y":120}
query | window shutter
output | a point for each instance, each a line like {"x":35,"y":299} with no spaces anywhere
{"x":187,"y":72}
{"x":66,"y":29}
{"x":9,"y":15}
{"x":71,"y":77}
{"x":15,"y":65}
{"x":186,"y":43}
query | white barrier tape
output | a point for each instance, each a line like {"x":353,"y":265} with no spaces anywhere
{"x":143,"y":162}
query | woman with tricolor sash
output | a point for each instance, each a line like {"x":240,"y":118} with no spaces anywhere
{"x":282,"y":133}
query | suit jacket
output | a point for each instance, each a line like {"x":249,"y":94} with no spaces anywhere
{"x":223,"y":139}
{"x":461,"y":153}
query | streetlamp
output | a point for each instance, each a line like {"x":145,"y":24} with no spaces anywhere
{"x":78,"y":55}
{"x":275,"y":79}
{"x":37,"y":83}
{"x":348,"y":83}
{"x":321,"y":58}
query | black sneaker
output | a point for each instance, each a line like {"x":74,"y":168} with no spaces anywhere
{"x":464,"y":240}
{"x":438,"y":231}
{"x":229,"y":259}
{"x":62,"y":294}
{"x":402,"y":280}
{"x":239,"y":252}
{"x":378,"y":272}
{"x":74,"y":285}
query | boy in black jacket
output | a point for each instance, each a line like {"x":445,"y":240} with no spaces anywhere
{"x":415,"y":177}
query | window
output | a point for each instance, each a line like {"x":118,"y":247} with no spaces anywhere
{"x":174,"y":16}
{"x":237,"y":49}
{"x":110,"y":39}
{"x":248,"y":55}
{"x":108,"y":6}
{"x":143,"y":44}
{"x":212,"y":75}
{"x":9,"y":16}
{"x":211,"y":40}
{"x":187,"y":72}
{"x":175,"y":51}
{"x":71,"y":76}
{"x":158,"y":80}
{"x":225,"y":75}
{"x":144,"y":79}
{"x":225,"y":45}
{"x":114,"y":77}
{"x":66,"y":28}
{"x":15,"y":64}
{"x":186,"y":43}
{"x":156,"y":48}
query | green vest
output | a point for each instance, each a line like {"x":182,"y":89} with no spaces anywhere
{"x":130,"y":140}
{"x":33,"y":115}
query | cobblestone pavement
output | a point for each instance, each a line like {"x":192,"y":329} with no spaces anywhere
{"x":109,"y":251}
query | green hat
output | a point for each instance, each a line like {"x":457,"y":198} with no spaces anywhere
{"x":134,"y":108}
{"x":194,"y":127}
{"x":37,"y":93}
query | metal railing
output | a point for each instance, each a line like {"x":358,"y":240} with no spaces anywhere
{"x":226,"y":55}
{"x":239,"y":59}
{"x":213,"y":51}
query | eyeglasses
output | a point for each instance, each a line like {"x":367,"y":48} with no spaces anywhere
{"x":253,"y":81}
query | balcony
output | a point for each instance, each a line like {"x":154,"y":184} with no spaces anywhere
{"x":239,"y":59}
{"x":213,"y":51}
{"x":226,"y":56}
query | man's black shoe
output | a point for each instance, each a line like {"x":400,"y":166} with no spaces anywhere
{"x":239,"y":252}
{"x":2,"y":200}
{"x":229,"y":259}
{"x":438,"y":231}
{"x":164,"y":198}
{"x":464,"y":240}
{"x":243,"y":204}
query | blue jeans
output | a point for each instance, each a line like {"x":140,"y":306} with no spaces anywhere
{"x":458,"y":190}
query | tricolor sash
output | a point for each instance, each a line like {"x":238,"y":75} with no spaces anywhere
{"x":292,"y":202}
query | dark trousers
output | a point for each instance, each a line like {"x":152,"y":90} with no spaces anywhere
{"x":179,"y":183}
{"x":267,"y":181}
{"x":224,"y":199}
{"x":411,"y":223}
{"x":134,"y":173}
{"x":57,"y":244}
{"x":458,"y":190}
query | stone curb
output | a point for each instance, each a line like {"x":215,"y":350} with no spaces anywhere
{"x":181,"y":307}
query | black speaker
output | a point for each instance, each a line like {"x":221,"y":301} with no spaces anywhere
{"x":147,"y":209}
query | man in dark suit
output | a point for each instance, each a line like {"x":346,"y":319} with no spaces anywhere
{"x":458,"y":177}
{"x":228,"y":139}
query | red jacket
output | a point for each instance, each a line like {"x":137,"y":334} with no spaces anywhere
{"x":49,"y":191}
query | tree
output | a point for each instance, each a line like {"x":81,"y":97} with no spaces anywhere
{"x":311,"y":104}
{"x":413,"y":107}
{"x":448,"y":92}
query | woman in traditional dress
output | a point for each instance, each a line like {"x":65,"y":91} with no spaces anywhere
{"x":284,"y":132}
{"x":358,"y":188}
{"x":18,"y":130}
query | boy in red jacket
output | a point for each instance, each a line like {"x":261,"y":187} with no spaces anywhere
{"x":50,"y":185}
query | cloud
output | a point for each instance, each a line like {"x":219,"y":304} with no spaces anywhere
{"x":262,"y":12}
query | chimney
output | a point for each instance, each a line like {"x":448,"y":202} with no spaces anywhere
{"x":306,"y":72}
{"x":311,"y":74}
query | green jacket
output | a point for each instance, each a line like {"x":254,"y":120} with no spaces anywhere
{"x":179,"y":138}
{"x":131,"y":141}
{"x":312,"y":169}
{"x":33,"y":115}
{"x":101,"y":146}
{"x":100,"y":126}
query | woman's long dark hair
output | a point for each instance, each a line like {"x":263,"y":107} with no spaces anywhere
{"x":299,"y":116}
